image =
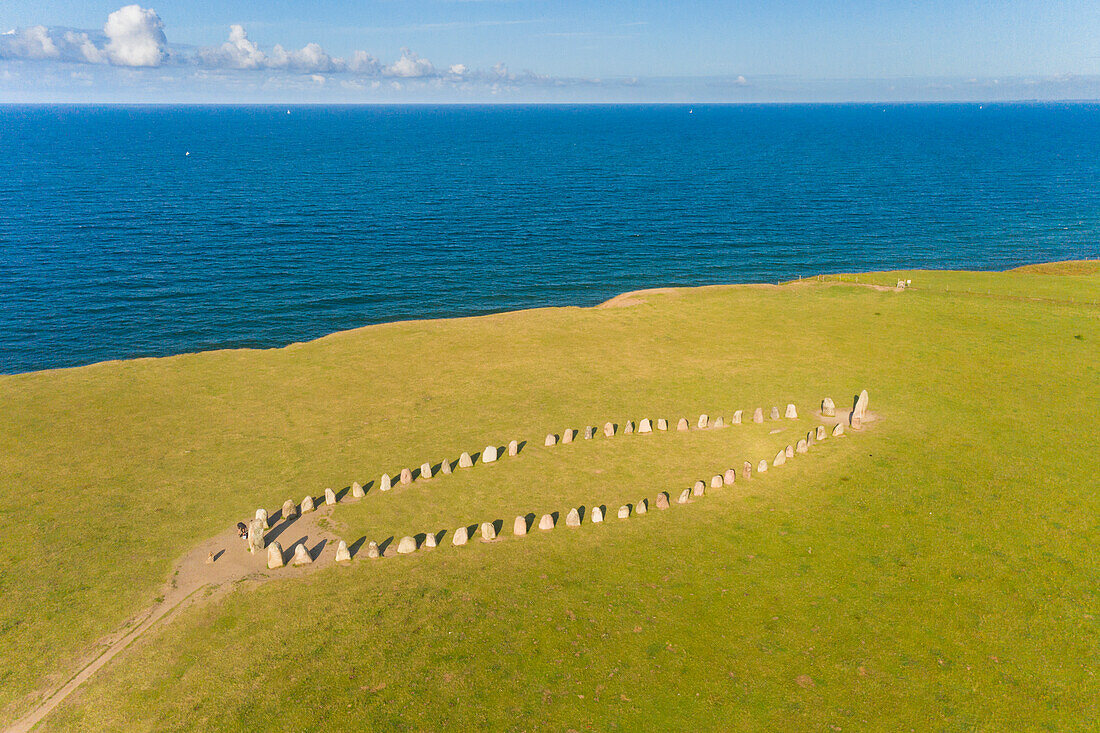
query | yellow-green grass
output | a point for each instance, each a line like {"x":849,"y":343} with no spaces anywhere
{"x":935,"y":571}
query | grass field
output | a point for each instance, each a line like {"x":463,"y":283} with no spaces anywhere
{"x":936,"y":571}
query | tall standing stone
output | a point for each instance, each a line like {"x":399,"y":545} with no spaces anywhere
{"x":801,"y":447}
{"x":860,"y":411}
{"x":698,"y":488}
{"x":551,"y":440}
{"x":425,"y":470}
{"x":645,"y":426}
{"x":589,"y":432}
{"x":261,"y":514}
{"x":716,"y":481}
{"x":488,"y":531}
{"x":791,"y":413}
{"x":719,"y":422}
{"x":330,"y":497}
{"x":828,"y":409}
{"x":406,"y":476}
{"x":729,"y":478}
{"x":342,"y":554}
{"x":811,"y":438}
{"x":567,"y":436}
{"x":597,"y":515}
{"x":789,"y":451}
{"x":662,"y":424}
{"x":357,"y":490}
{"x":662,"y":500}
{"x":385,"y":483}
{"x":736,"y":420}
{"x":762,"y":467}
{"x":758,"y":415}
{"x":838,"y":430}
{"x":429,"y":540}
{"x":274,"y":555}
{"x":445,"y":467}
{"x":684,"y":496}
{"x":406,"y":546}
{"x":775,"y":413}
{"x":301,"y":555}
{"x":573,"y":518}
{"x":307,"y":504}
{"x":464,"y":460}
{"x":519,"y":527}
{"x":682,"y":424}
{"x":489,"y":455}
{"x":513,"y":448}
{"x":629,"y":427}
{"x":461,"y":536}
{"x":821,"y":433}
{"x":609,"y":430}
{"x":256,"y":536}
{"x":624,"y":512}
{"x":746,"y":470}
{"x":372,"y":550}
{"x":780,"y":458}
{"x":703,"y":421}
{"x":290,"y":509}
{"x":547,"y":522}
{"x":643,"y":505}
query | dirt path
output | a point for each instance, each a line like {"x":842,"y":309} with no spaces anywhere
{"x":196,"y":580}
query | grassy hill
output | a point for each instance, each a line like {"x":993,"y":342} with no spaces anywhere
{"x":937,"y":570}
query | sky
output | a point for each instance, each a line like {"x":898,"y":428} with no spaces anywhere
{"x":382,"y":51}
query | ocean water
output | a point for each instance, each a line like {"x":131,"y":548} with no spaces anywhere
{"x":145,"y":231}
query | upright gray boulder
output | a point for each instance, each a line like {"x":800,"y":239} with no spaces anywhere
{"x":642,"y":506}
{"x":464,"y":460}
{"x":629,"y":427}
{"x":275,"y":555}
{"x":551,"y":440}
{"x":624,"y":512}
{"x":261,"y":514}
{"x":589,"y":432}
{"x":698,"y":488}
{"x":645,"y":426}
{"x":425,"y":470}
{"x":780,"y":458}
{"x":684,"y":496}
{"x":567,"y":436}
{"x":828,"y":409}
{"x":821,"y":433}
{"x":330,"y":497}
{"x":445,"y":467}
{"x":342,"y":554}
{"x":736,"y":419}
{"x":801,"y":447}
{"x":301,"y":555}
{"x":429,"y":540}
{"x":775,"y":413}
{"x":811,"y":438}
{"x":307,"y":504}
{"x":682,"y":424}
{"x":662,"y":500}
{"x":357,"y":490}
{"x":372,"y":550}
{"x":385,"y":483}
{"x":290,"y":509}
{"x":716,"y":481}
{"x":460,"y":537}
{"x":546,"y":522}
{"x":513,"y":448}
{"x":791,"y":413}
{"x":662,"y":424}
{"x":719,"y":422}
{"x":729,"y":478}
{"x":519,"y":527}
{"x":597,"y":515}
{"x":489,"y":455}
{"x":703,"y":421}
{"x":789,"y":451}
{"x":762,"y":467}
{"x":406,"y":546}
{"x":860,"y":411}
{"x":746,"y":470}
{"x":758,"y":415}
{"x":488,"y":531}
{"x":609,"y":430}
{"x":838,"y":430}
{"x":406,"y":476}
{"x":573,"y":518}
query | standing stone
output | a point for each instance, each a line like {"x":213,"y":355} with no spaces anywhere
{"x":307,"y":504}
{"x":385,"y":483}
{"x":629,"y":427}
{"x":860,"y":410}
{"x":624,"y":512}
{"x":513,"y":448}
{"x":684,"y":495}
{"x":789,"y":451}
{"x":330,"y":497}
{"x":342,"y":554}
{"x":301,"y":555}
{"x":838,"y":429}
{"x":357,"y":490}
{"x":780,"y":458}
{"x":290,"y":509}
{"x":425,"y":470}
{"x":704,"y":420}
{"x":729,"y":477}
{"x":662,"y":500}
{"x":547,"y":522}
{"x":489,"y":455}
{"x":429,"y":541}
{"x":589,"y":432}
{"x":746,"y":470}
{"x":464,"y":460}
{"x":737,"y":417}
{"x":828,"y":409}
{"x":820,"y":433}
{"x":716,"y":481}
{"x":682,"y":424}
{"x":551,"y":439}
{"x":519,"y":527}
{"x":488,"y":531}
{"x":573,"y":518}
{"x":406,"y":476}
{"x":775,"y":413}
{"x":445,"y":467}
{"x":643,"y":506}
{"x":811,"y":438}
{"x":801,"y":447}
{"x":406,"y":546}
{"x":567,"y":436}
{"x":210,"y":558}
{"x":762,"y":467}
{"x":597,"y":515}
{"x":791,"y":413}
{"x":645,"y":426}
{"x":719,"y":422}
{"x":275,"y":555}
{"x":758,"y":415}
{"x":698,"y":488}
{"x":609,"y":430}
{"x":372,"y":550}
{"x":261,"y":514}
{"x":460,"y":536}
{"x":662,"y":424}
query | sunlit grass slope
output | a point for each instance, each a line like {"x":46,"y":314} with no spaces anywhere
{"x":937,"y":570}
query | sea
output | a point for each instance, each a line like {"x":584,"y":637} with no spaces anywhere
{"x":130,"y":231}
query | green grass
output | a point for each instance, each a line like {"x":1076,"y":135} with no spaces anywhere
{"x":936,"y":571}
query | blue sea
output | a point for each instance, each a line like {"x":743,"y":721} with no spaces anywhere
{"x":145,"y":231}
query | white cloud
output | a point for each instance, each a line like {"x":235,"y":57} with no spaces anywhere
{"x":29,"y":43}
{"x":458,"y":69}
{"x":236,"y":53}
{"x":84,"y":48}
{"x":409,"y":66}
{"x":136,"y":37}
{"x":362,"y":62}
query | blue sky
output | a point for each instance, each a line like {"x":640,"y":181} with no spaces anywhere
{"x":533,"y":50}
